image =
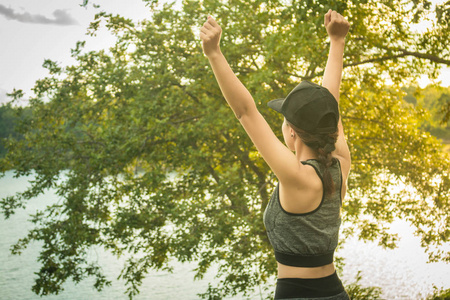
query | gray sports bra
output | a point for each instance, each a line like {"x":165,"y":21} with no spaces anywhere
{"x":309,"y":239}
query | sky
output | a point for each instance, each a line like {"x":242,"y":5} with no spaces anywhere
{"x":34,"y":30}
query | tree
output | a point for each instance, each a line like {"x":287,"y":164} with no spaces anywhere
{"x":157,"y":166}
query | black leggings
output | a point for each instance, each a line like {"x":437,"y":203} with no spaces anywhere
{"x":326,"y":288}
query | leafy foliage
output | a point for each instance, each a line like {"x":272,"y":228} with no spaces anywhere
{"x":357,"y":292}
{"x":9,"y":117}
{"x":435,"y":100}
{"x":156,"y":167}
{"x":440,"y":294}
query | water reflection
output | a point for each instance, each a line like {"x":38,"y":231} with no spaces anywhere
{"x":402,"y":273}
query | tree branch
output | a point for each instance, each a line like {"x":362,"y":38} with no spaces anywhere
{"x":378,"y":59}
{"x":193,"y":97}
{"x":403,"y":53}
{"x":430,"y":57}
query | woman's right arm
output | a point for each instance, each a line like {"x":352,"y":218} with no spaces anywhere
{"x":234,"y":92}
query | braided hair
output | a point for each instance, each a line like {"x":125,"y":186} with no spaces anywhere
{"x":323,"y":145}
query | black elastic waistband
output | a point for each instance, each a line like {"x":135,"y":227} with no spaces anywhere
{"x":310,"y":288}
{"x":304,"y":260}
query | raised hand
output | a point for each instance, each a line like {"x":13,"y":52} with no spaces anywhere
{"x":337,"y":26}
{"x":210,"y":35}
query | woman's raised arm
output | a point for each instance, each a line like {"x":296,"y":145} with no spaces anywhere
{"x":337,"y":27}
{"x":236,"y":94}
{"x":279,"y":158}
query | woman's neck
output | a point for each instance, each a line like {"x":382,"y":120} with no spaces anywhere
{"x":303,"y":152}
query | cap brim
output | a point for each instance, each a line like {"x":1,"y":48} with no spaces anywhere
{"x":276,"y":104}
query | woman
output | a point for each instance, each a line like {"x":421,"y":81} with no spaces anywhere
{"x":302,"y":218}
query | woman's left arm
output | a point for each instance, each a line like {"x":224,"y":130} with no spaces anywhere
{"x":236,"y":94}
{"x":337,"y":27}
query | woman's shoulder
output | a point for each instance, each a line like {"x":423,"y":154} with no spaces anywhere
{"x":307,"y":194}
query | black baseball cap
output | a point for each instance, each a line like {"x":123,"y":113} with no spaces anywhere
{"x":310,"y":107}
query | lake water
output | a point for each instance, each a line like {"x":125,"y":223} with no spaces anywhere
{"x":402,"y":273}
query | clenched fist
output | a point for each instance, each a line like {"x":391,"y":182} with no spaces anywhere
{"x":337,"y":26}
{"x":210,"y":35}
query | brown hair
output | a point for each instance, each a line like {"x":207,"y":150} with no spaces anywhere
{"x":323,"y":144}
